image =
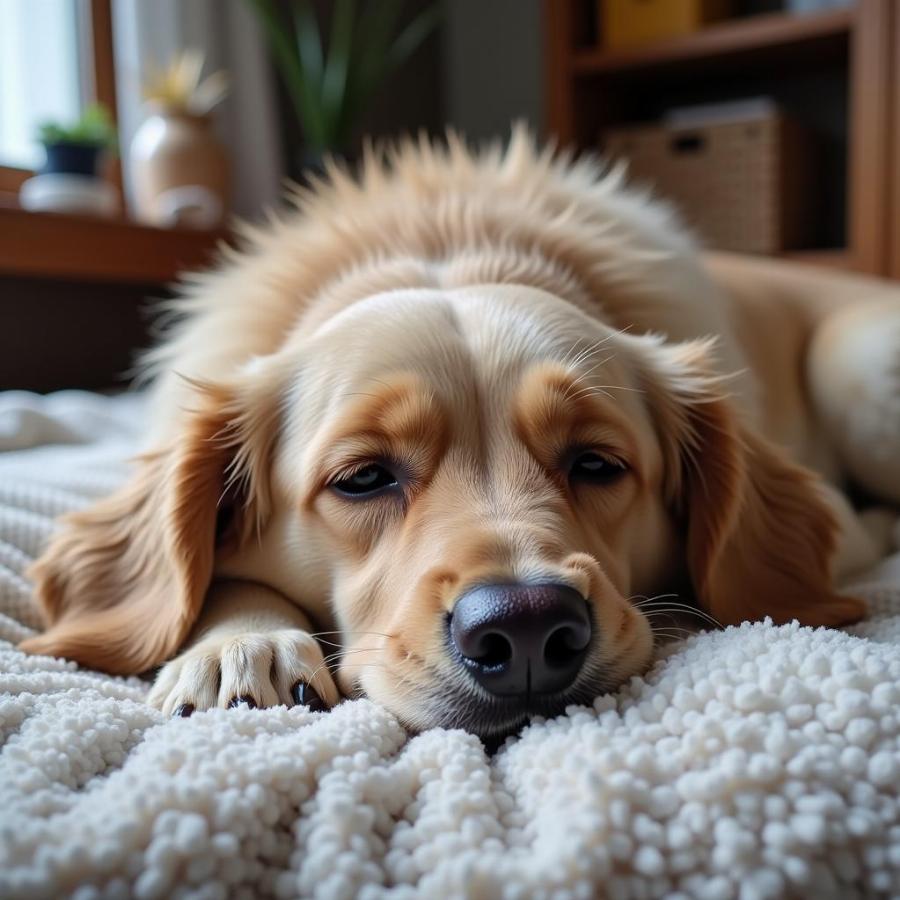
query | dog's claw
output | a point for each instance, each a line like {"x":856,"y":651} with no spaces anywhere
{"x":306,"y":695}
{"x":242,"y":700}
{"x":184,"y":711}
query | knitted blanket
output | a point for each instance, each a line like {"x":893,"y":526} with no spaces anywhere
{"x":754,"y":762}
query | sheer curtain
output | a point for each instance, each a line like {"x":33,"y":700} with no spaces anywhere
{"x":150,"y":34}
{"x":39,"y":74}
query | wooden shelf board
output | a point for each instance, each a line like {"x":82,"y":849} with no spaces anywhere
{"x":760,"y":35}
{"x":837,"y":258}
{"x":54,"y":245}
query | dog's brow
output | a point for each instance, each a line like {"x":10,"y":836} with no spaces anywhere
{"x":555,"y":408}
{"x":397,"y":417}
{"x":403,"y":408}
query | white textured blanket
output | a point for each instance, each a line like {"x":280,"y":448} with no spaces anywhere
{"x":755,"y":762}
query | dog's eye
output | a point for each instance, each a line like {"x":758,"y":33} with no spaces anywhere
{"x":364,"y":482}
{"x":595,"y":468}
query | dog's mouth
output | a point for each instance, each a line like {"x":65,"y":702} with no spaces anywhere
{"x":490,"y":718}
{"x":449,"y":697}
{"x":495,"y":718}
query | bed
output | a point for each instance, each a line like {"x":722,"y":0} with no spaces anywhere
{"x":753,"y":762}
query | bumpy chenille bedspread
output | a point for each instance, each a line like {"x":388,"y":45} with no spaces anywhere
{"x":756,"y":762}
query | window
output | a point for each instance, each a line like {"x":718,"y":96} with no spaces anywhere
{"x":39,"y":74}
{"x":55,"y":57}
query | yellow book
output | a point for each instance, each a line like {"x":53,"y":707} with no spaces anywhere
{"x":626,"y":23}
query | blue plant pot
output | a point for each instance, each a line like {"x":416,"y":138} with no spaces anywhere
{"x":71,"y":158}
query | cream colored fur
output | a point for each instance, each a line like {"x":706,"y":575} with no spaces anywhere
{"x":471,"y":316}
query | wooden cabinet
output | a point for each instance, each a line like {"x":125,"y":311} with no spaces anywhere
{"x":834,"y":71}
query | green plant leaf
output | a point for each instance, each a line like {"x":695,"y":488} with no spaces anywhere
{"x":93,"y":128}
{"x":337,"y":65}
{"x":380,"y":55}
{"x":309,"y":42}
{"x":376,"y":27}
{"x":329,"y":93}
{"x":413,"y":36}
{"x":50,"y":133}
{"x":287,"y":57}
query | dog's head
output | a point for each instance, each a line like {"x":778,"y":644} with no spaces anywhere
{"x":473,"y":488}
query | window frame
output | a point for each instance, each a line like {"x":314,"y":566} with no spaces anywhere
{"x":98,"y":77}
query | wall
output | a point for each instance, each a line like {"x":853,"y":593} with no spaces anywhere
{"x":492,"y":65}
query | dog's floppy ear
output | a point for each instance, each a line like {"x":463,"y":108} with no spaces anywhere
{"x":121,"y":584}
{"x":760,"y":534}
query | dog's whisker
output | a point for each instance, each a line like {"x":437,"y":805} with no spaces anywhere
{"x":622,"y":387}
{"x":641,"y":602}
{"x":596,"y":366}
{"x":325,"y":665}
{"x":338,"y":654}
{"x":667,"y":604}
{"x":349,"y":631}
{"x":590,"y":392}
{"x":675,"y":623}
{"x":671,"y":629}
{"x":645,"y":599}
{"x":672,"y":632}
{"x":664,"y":638}
{"x":682,"y":609}
{"x":587,"y":352}
{"x":678,"y":614}
{"x":318,"y":635}
{"x":604,"y":389}
{"x":582,"y":377}
{"x":653,"y":615}
{"x":329,"y":643}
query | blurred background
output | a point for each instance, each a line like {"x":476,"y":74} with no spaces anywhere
{"x":131,"y":132}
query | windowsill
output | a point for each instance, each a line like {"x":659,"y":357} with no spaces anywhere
{"x":86,"y":248}
{"x":11,"y":178}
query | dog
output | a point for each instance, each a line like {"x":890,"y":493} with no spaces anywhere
{"x":443,"y":434}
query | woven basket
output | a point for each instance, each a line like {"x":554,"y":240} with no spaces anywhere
{"x":742,"y":185}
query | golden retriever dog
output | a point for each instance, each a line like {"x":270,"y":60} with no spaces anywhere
{"x":441,"y":434}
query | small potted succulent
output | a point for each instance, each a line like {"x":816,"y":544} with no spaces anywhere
{"x":69,"y":180}
{"x":77,"y":148}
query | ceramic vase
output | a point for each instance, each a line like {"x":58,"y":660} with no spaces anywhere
{"x":178,"y":170}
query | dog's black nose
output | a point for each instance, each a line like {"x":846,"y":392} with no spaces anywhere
{"x":522,"y":639}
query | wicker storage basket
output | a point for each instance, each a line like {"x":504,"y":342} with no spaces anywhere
{"x":743,"y":185}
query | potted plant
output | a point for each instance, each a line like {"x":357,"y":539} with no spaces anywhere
{"x":69,"y":180}
{"x":329,"y":89}
{"x":77,"y":148}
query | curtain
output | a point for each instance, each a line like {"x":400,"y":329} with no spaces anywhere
{"x":148,"y":34}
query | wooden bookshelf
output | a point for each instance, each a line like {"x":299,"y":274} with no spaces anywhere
{"x":837,"y":70}
{"x":828,"y":259}
{"x":762,"y":39}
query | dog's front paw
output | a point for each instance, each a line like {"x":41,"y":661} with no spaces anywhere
{"x":256,"y":669}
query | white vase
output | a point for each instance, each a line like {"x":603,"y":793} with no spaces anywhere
{"x":178,"y":170}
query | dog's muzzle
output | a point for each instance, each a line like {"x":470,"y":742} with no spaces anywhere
{"x":521,"y":640}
